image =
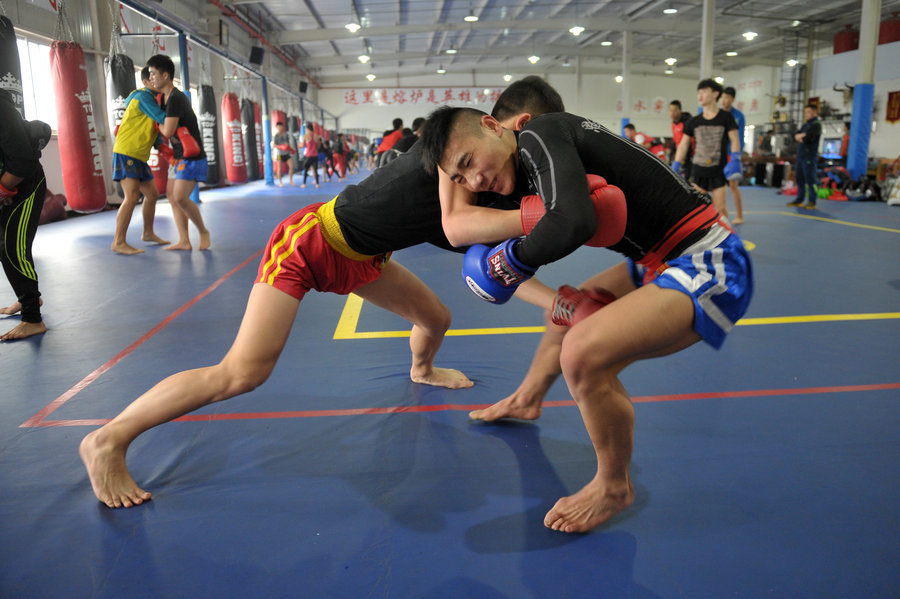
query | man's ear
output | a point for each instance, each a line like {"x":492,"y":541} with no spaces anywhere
{"x":491,"y":124}
{"x":521,"y":120}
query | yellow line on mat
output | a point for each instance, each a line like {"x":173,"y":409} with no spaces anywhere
{"x":346,"y":327}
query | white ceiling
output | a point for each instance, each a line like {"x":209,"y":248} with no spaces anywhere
{"x":411,"y":37}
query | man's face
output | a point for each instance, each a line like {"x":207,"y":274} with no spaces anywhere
{"x":156,"y":78}
{"x":727,"y":101}
{"x":481,"y":162}
{"x":630,"y":133}
{"x":674,"y":113}
{"x":809,"y":113}
{"x":706,"y":96}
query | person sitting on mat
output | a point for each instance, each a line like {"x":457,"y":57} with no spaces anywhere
{"x":687,"y":276}
{"x":341,"y":246}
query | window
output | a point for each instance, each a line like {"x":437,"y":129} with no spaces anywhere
{"x":40,"y":101}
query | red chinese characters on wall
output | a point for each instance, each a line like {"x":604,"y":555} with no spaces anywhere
{"x":422,"y":95}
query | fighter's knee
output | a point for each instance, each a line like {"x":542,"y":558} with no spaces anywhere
{"x":580,"y":362}
{"x":438,"y":322}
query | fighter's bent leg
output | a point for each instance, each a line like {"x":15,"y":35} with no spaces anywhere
{"x":404,"y":294}
{"x":260,"y":339}
{"x":647,"y":323}
{"x":525,"y":402}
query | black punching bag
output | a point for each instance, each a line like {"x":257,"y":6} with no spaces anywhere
{"x":248,"y":127}
{"x":10,"y":69}
{"x":119,"y":83}
{"x":208,"y":120}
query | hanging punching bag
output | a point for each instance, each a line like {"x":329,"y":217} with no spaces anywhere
{"x":260,"y":151}
{"x":119,"y":70}
{"x":159,"y":166}
{"x":233,"y":140}
{"x":10,"y":69}
{"x":79,"y":148}
{"x":293,"y":127}
{"x":248,"y":128}
{"x":208,"y":133}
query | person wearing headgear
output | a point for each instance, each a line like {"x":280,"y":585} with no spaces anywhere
{"x":22,"y":190}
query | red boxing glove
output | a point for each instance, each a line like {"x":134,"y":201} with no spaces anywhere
{"x":6,"y":194}
{"x":611,"y":212}
{"x":609,"y":209}
{"x":189,"y":146}
{"x":571,"y":306}
{"x":531,"y":209}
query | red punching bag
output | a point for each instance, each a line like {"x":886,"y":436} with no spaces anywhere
{"x":79,"y":148}
{"x":260,"y":154}
{"x":159,"y":166}
{"x":233,"y":140}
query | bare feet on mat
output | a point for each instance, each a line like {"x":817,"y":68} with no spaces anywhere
{"x":518,"y":405}
{"x":185,"y":247}
{"x":442,"y":377}
{"x":24,"y":330}
{"x":590,"y":507}
{"x":204,"y":241}
{"x":108,"y":473}
{"x":154,"y":238}
{"x":15,"y":308}
{"x":124,"y":248}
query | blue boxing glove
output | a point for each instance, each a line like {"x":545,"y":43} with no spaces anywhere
{"x":494,"y":273}
{"x":733,"y":168}
{"x":676,"y":166}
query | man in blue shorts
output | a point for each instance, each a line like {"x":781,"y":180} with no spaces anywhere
{"x":687,"y":276}
{"x":135,"y":136}
{"x":189,"y":164}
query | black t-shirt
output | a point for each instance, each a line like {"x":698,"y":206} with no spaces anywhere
{"x":557,"y":150}
{"x":398,"y":206}
{"x":711,"y":143}
{"x":178,"y":105}
{"x":405,"y":143}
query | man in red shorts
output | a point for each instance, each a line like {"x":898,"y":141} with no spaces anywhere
{"x":340,"y":246}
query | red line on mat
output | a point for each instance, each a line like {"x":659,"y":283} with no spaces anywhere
{"x":37,"y":419}
{"x":466,"y":408}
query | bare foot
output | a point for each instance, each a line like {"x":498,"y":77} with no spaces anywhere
{"x":124,"y":248}
{"x":204,"y":241}
{"x":443,"y":377}
{"x":23,"y":330}
{"x":16,"y":307}
{"x":109,"y":475}
{"x":518,"y":405}
{"x":303,"y":186}
{"x":179,"y":246}
{"x":588,"y":508}
{"x":154,"y":238}
{"x":737,"y":220}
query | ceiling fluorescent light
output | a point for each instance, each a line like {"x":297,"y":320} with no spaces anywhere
{"x":441,"y":70}
{"x":371,"y":76}
{"x":451,"y":50}
{"x":750,"y":35}
{"x":606,"y":43}
{"x":352,"y":27}
{"x":732,"y":53}
{"x":670,"y":9}
{"x":576,"y":30}
{"x":533,"y":58}
{"x":364,"y":58}
{"x":670,"y":61}
{"x":470,"y":18}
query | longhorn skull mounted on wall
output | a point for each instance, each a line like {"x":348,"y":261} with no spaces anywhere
{"x":847,"y":90}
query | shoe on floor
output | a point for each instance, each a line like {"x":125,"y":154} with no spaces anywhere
{"x":810,"y":206}
{"x":794,"y":204}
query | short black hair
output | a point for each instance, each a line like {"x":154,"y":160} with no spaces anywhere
{"x":711,"y":84}
{"x":436,"y":132}
{"x":730,"y":91}
{"x":279,"y":124}
{"x":675,"y":103}
{"x":418,"y":122}
{"x":812,"y":107}
{"x":630,"y":126}
{"x":397,"y":124}
{"x":145,"y":73}
{"x":532,"y":95}
{"x":163,"y":64}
